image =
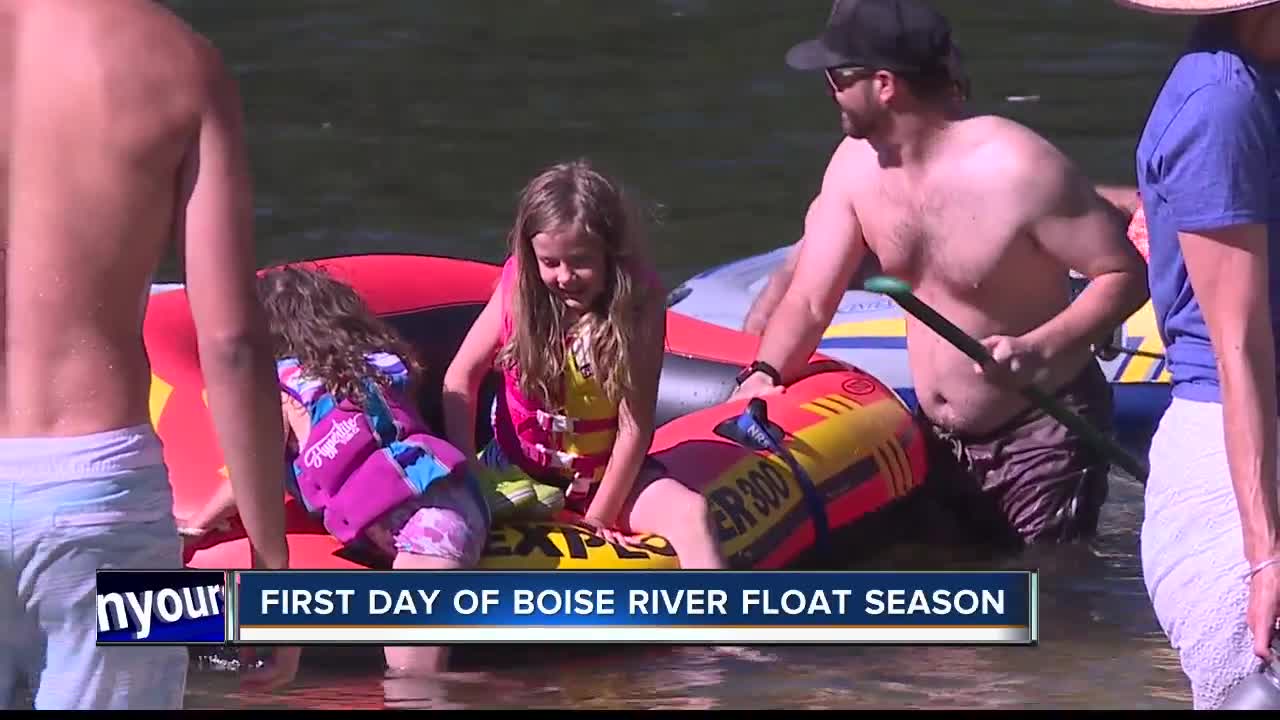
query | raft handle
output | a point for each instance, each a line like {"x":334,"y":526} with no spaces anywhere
{"x":754,"y":431}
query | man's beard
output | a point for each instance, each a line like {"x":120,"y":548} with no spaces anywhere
{"x":858,"y":129}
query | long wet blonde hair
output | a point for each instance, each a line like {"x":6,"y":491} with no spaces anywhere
{"x":575,"y":196}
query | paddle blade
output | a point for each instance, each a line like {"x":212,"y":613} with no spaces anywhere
{"x":886,"y":285}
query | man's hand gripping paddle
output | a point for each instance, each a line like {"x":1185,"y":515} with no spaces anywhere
{"x":901,"y":293}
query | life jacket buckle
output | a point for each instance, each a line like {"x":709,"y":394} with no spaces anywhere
{"x":558,"y":458}
{"x":552,"y":422}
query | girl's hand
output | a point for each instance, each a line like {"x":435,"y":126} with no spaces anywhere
{"x":607,"y":532}
{"x":190,"y":528}
{"x":195,"y":531}
{"x":191,"y":536}
{"x":196,"y":528}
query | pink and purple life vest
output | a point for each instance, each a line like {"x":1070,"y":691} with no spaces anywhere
{"x":358,"y":464}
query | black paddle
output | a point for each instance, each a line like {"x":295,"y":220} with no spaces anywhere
{"x":901,"y":293}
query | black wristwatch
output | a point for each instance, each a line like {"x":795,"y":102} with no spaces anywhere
{"x":763,"y":367}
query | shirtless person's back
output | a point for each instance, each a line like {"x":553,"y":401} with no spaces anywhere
{"x":120,"y":134}
{"x":985,"y":220}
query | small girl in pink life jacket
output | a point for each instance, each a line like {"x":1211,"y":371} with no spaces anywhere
{"x":577,"y":328}
{"x":360,"y":457}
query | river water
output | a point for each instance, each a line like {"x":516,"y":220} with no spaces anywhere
{"x":397,"y":125}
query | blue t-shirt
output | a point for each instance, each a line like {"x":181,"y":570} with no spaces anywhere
{"x":1209,"y":157}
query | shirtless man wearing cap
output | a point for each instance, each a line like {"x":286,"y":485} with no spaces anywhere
{"x":985,"y":220}
{"x":120,"y":133}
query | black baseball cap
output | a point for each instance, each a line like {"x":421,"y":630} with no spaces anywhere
{"x":905,"y":36}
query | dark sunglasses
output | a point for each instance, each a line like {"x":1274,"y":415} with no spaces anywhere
{"x":843,"y":78}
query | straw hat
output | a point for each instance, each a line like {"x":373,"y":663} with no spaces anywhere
{"x":1193,"y":7}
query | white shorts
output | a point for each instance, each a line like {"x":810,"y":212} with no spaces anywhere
{"x":70,"y":506}
{"x":1193,"y":551}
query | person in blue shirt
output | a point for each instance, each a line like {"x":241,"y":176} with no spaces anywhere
{"x":1208,"y":169}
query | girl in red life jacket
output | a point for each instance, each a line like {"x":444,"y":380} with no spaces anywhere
{"x":360,"y":457}
{"x":577,"y":327}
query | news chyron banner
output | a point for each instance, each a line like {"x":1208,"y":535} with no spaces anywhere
{"x":163,"y":607}
{"x":679,"y":607}
{"x":300,"y":607}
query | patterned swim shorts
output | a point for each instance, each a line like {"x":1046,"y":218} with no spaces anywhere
{"x":445,"y":522}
